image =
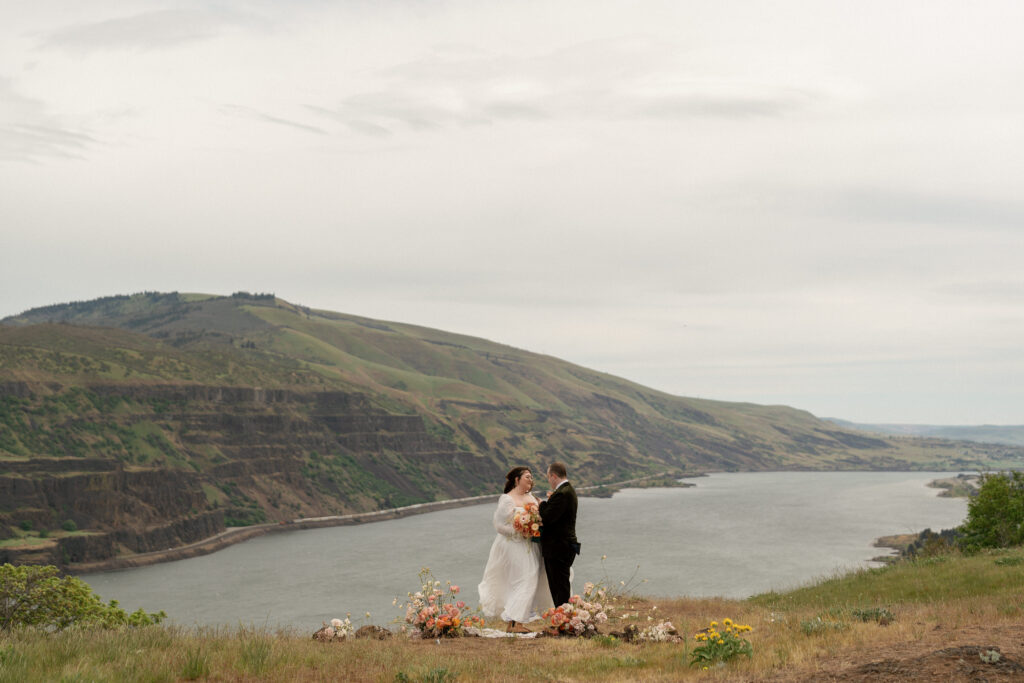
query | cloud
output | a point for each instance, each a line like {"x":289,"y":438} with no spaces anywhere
{"x":728,"y":101}
{"x":250,"y":113}
{"x":149,"y":30}
{"x":876,"y":205}
{"x":602,"y":80}
{"x":29,"y":133}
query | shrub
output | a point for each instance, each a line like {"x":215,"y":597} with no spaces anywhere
{"x":69,"y":525}
{"x":720,"y":646}
{"x":995,"y":516}
{"x":38,"y":596}
{"x":818,"y":626}
{"x":880,"y":615}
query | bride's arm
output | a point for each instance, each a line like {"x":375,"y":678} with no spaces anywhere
{"x":503,"y":516}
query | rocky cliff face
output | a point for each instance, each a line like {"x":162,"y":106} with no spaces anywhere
{"x":172,"y":464}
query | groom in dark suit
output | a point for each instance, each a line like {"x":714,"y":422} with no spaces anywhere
{"x":558,"y":542}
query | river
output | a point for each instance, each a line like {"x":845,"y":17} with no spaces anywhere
{"x":731,"y":535}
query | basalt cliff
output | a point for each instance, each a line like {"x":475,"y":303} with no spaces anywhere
{"x":137,"y":423}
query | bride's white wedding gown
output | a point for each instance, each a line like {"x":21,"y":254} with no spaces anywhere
{"x":514,"y":586}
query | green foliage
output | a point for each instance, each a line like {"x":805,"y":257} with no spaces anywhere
{"x":197,"y":665}
{"x":1010,"y":561}
{"x":818,"y":626}
{"x":26,"y":525}
{"x":995,"y":516}
{"x":720,"y":645}
{"x":879,"y":615}
{"x":38,"y":596}
{"x":69,"y":525}
{"x":436,"y":675}
{"x":256,"y":653}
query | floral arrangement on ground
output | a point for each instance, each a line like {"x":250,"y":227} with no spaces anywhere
{"x":435,"y":612}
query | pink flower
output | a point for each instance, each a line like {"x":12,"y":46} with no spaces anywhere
{"x":460,"y":604}
{"x":455,"y":589}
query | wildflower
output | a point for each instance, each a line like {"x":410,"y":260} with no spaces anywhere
{"x":455,"y":589}
{"x":336,"y":623}
{"x":367,"y":615}
{"x":604,"y":557}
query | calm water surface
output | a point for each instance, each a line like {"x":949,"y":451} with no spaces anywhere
{"x":732,"y":535}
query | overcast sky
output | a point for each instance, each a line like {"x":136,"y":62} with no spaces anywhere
{"x":815,"y":203}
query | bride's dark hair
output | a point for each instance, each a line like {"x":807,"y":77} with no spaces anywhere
{"x":512,"y":478}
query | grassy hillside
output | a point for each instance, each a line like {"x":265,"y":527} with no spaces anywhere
{"x":1010,"y":435}
{"x":491,"y":397}
{"x":268,"y":411}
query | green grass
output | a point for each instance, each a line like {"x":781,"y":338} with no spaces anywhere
{"x":937,"y":579}
{"x":794,"y":633}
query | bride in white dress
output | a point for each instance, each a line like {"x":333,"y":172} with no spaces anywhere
{"x":514,"y":586}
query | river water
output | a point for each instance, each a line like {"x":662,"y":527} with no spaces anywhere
{"x":731,"y":535}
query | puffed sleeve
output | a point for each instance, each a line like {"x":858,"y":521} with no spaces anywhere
{"x":503,"y":516}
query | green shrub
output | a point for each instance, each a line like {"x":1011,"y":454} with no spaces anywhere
{"x":69,"y":525}
{"x":879,"y":615}
{"x":38,"y":596}
{"x":818,"y":626}
{"x":995,"y":516}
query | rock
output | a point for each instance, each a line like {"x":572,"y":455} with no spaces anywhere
{"x":373,"y":632}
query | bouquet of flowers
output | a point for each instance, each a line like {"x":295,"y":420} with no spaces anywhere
{"x":340,"y":629}
{"x":576,"y":617}
{"x":664,"y":632}
{"x":527,"y":522}
{"x":433,"y":612}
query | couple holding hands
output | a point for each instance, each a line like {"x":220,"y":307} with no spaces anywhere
{"x":529,"y":567}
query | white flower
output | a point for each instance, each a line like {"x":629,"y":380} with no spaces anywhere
{"x":329,"y":632}
{"x":336,"y":623}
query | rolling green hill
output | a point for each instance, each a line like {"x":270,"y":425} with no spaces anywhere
{"x":255,"y":409}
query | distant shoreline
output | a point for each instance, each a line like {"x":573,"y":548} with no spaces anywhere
{"x":960,"y":486}
{"x":234,"y":535}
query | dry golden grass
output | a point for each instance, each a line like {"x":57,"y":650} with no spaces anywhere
{"x":811,"y":633}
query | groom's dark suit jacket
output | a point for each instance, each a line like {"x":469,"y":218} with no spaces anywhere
{"x":558,"y":533}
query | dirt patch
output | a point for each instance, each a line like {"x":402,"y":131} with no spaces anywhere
{"x":998,"y":658}
{"x":965,"y":663}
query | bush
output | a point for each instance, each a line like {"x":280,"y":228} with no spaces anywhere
{"x":995,"y":516}
{"x":39,"y":596}
{"x":69,"y":525}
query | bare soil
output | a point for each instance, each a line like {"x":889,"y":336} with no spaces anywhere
{"x":981,"y":653}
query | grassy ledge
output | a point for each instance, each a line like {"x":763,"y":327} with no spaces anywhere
{"x":834,"y":627}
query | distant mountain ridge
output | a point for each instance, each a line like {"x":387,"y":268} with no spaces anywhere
{"x":190,"y":411}
{"x":1011,"y":435}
